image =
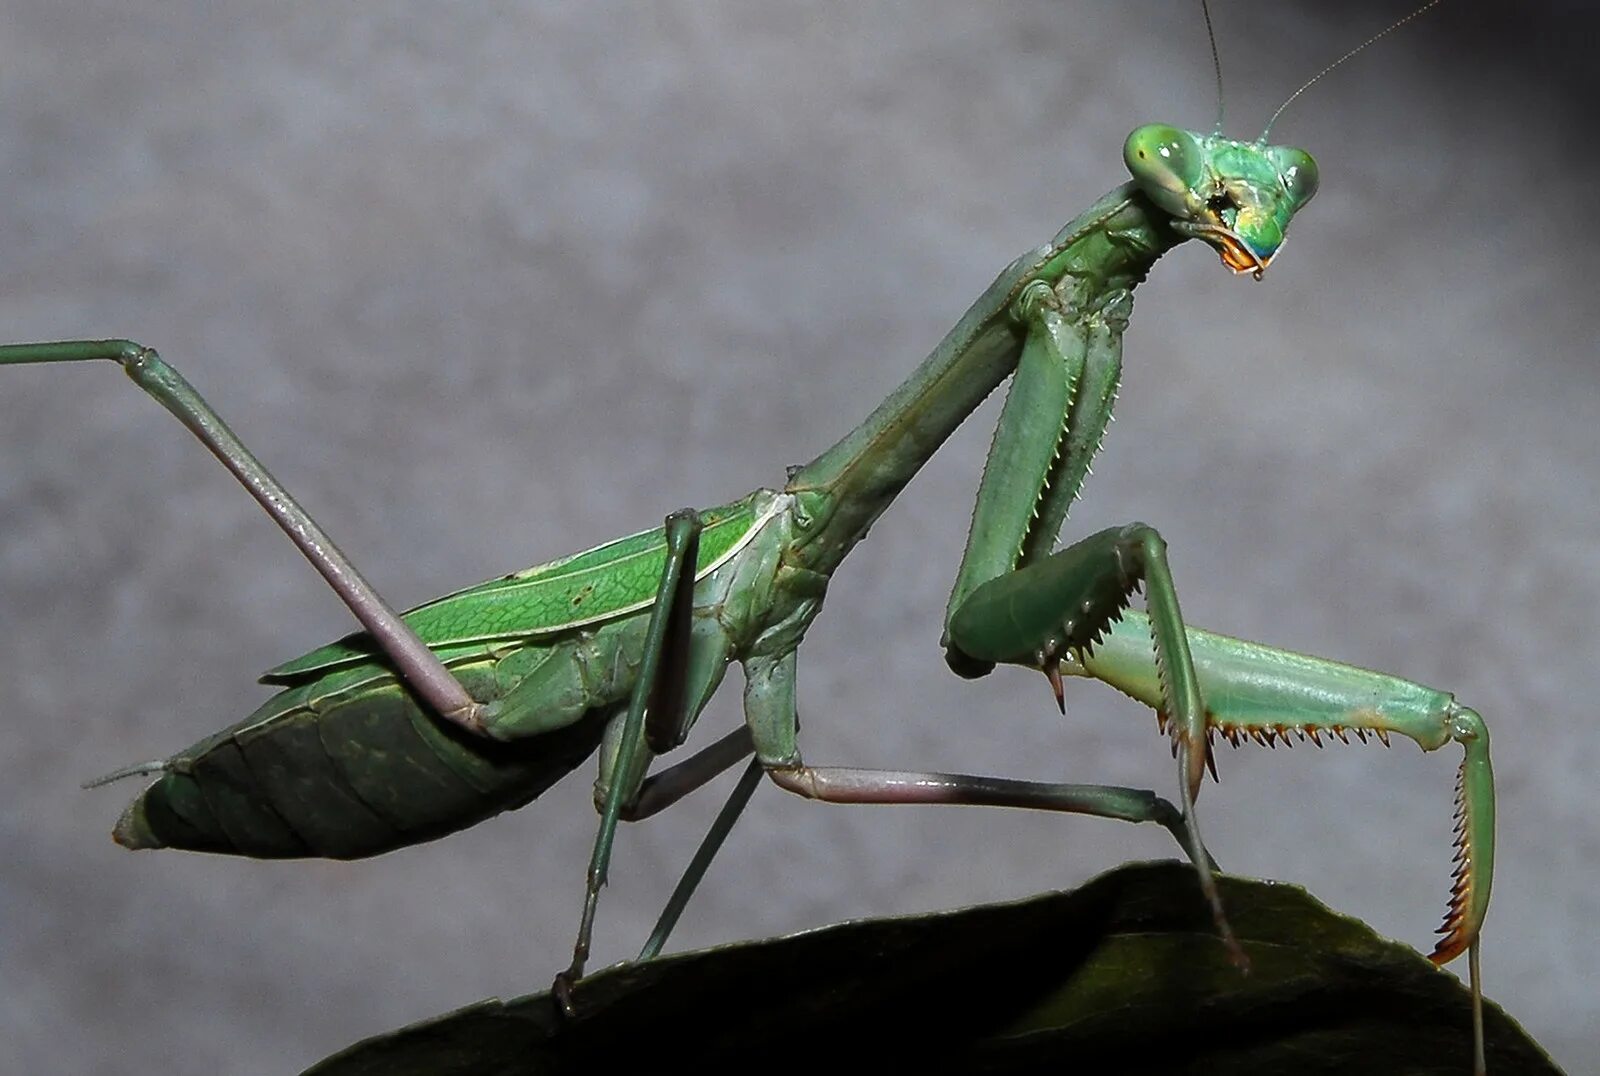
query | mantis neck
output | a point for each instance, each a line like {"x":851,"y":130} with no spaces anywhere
{"x":1104,"y":252}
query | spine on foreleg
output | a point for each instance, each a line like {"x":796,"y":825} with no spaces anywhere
{"x":1267,"y":694}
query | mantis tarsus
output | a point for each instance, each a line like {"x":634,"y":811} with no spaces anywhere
{"x":1248,"y":297}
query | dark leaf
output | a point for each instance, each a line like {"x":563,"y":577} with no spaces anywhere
{"x":1123,"y":975}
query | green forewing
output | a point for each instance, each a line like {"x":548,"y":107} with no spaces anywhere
{"x":618,"y":577}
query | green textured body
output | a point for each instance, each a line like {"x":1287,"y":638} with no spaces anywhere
{"x":345,"y":762}
{"x":472,"y":704}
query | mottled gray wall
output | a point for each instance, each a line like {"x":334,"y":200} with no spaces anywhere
{"x":486,"y":284}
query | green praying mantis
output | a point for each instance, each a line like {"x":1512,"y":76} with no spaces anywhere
{"x":1029,"y":321}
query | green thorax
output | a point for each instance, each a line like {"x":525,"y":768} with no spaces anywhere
{"x":1104,"y":252}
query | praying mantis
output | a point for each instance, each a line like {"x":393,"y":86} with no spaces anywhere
{"x":717,"y":485}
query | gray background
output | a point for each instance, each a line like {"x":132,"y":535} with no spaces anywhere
{"x":485,"y":284}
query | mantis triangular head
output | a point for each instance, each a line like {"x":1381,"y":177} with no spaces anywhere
{"x":1237,"y":196}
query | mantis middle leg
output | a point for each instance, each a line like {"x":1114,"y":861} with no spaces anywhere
{"x":773,"y":717}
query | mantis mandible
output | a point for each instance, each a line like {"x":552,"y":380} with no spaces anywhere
{"x":1180,"y":580}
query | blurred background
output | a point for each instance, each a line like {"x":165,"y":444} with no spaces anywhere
{"x":486,"y":284}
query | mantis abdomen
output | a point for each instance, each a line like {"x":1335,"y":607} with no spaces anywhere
{"x":350,"y":765}
{"x":345,"y":762}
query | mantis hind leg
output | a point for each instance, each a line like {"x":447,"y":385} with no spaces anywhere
{"x":421,"y":669}
{"x":662,"y":676}
{"x":1064,"y":603}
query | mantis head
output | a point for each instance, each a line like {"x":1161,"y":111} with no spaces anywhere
{"x":1237,"y":196}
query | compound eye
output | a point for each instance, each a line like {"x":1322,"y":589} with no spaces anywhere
{"x":1168,"y":165}
{"x":1298,"y":172}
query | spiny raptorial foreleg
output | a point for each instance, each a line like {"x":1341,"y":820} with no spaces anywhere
{"x":1268,"y":695}
{"x":1066,"y":602}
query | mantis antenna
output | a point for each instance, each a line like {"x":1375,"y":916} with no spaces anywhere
{"x":1216,"y":61}
{"x":1385,"y":32}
